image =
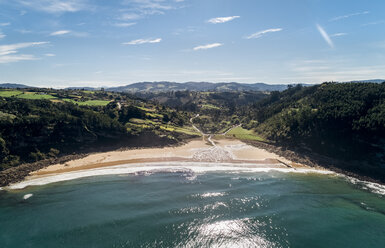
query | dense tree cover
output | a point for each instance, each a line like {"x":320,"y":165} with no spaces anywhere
{"x":31,"y":130}
{"x":218,"y":110}
{"x":330,"y":108}
{"x":195,"y":101}
{"x":340,"y":120}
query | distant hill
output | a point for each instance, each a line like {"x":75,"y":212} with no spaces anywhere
{"x":14,"y":86}
{"x":144,"y":87}
{"x":165,"y":86}
{"x":378,"y":81}
{"x":83,"y":88}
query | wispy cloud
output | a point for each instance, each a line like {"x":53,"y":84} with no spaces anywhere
{"x":3,"y":24}
{"x":55,"y":6}
{"x":263,"y":32}
{"x":69,"y":33}
{"x":12,"y":48}
{"x":9,"y":53}
{"x":325,"y":35}
{"x":137,"y":9}
{"x":337,"y":18}
{"x":208,"y":46}
{"x":142,"y":41}
{"x":130,"y":16}
{"x":222,"y":19}
{"x":50,"y":55}
{"x":334,"y":69}
{"x":2,"y":35}
{"x":124,"y":24}
{"x":373,"y":23}
{"x":60,"y":32}
{"x":338,"y":34}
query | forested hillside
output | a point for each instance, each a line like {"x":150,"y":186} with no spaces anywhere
{"x":32,"y":130}
{"x":218,"y":111}
{"x":345,"y":121}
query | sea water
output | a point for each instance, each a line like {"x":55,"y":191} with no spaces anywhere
{"x":195,"y":208}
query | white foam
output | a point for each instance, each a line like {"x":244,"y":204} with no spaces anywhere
{"x":372,"y":187}
{"x":172,"y":167}
{"x":25,"y":197}
{"x":212,"y":194}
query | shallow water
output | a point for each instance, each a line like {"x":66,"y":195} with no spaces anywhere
{"x":184,"y":209}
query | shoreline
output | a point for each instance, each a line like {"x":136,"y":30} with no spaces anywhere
{"x":313,"y":160}
{"x":197,"y":150}
{"x":245,"y":157}
{"x":194,"y":151}
{"x":226,"y":151}
{"x":191,"y":169}
{"x":20,"y":172}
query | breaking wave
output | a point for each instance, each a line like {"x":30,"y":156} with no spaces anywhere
{"x":191,"y":168}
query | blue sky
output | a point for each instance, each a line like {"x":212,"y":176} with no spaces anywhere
{"x":59,"y":43}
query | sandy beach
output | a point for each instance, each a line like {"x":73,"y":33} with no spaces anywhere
{"x":226,"y":150}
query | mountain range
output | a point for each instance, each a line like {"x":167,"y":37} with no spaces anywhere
{"x":164,"y":86}
{"x":144,"y":87}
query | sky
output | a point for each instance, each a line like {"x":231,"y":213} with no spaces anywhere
{"x":58,"y":43}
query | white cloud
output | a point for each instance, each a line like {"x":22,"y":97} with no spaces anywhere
{"x":60,"y":32}
{"x":373,"y":23}
{"x":8,"y":53}
{"x":208,"y":46}
{"x":12,"y":48}
{"x":338,"y":34}
{"x":149,"y":4}
{"x":325,"y":36}
{"x":142,"y":41}
{"x":15,"y":58}
{"x":222,"y":19}
{"x":349,"y":15}
{"x":130,"y":16}
{"x":2,"y":35}
{"x":50,"y":54}
{"x":137,"y":9}
{"x":263,"y":32}
{"x":55,"y":6}
{"x":69,"y":33}
{"x":124,"y":24}
{"x":334,"y":69}
{"x":5,"y":24}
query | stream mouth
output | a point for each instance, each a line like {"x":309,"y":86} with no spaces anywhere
{"x":213,"y":154}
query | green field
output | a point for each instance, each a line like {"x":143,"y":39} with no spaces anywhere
{"x":146,"y":109}
{"x":10,"y":93}
{"x":209,"y":106}
{"x":152,"y":115}
{"x":88,"y":103}
{"x":184,"y":130}
{"x":244,"y":134}
{"x":141,"y":121}
{"x":148,"y":123}
{"x":35,"y":96}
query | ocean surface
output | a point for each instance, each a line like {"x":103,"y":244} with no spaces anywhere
{"x":185,"y":208}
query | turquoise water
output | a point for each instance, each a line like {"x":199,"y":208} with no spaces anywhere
{"x":214,"y":209}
